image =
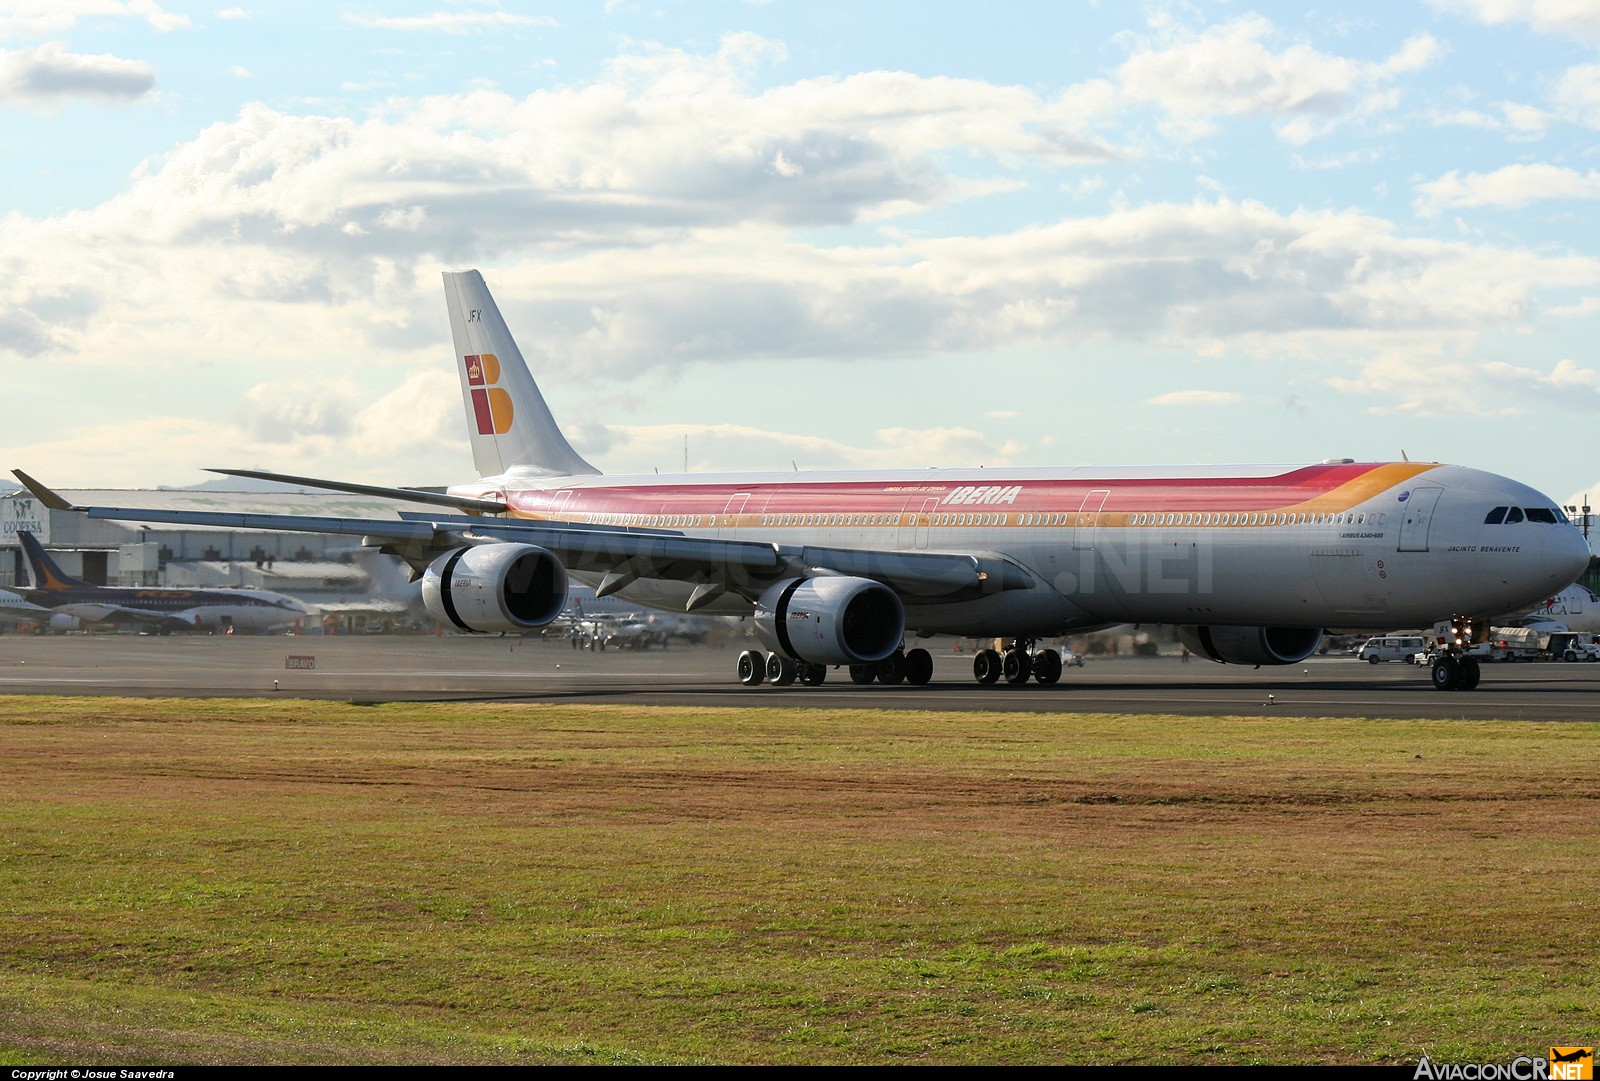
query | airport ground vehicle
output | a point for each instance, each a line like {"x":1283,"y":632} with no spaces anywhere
{"x":1574,"y":646}
{"x":1391,"y":648}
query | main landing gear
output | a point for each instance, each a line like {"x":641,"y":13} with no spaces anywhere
{"x":1019,"y":662}
{"x":902,"y":666}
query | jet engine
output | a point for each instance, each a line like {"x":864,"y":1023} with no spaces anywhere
{"x":491,"y":588}
{"x":61,"y":623}
{"x":831,"y":620}
{"x":1252,"y":645}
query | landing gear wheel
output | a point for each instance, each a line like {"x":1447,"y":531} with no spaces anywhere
{"x":892,"y":669}
{"x":781,"y":671}
{"x":1446,"y":674}
{"x":1017,"y":666}
{"x":863,"y":673}
{"x":986,"y":666}
{"x":813,"y":674}
{"x":752,"y":667}
{"x":1047,"y":666}
{"x":1470,"y":673}
{"x":919,"y":667}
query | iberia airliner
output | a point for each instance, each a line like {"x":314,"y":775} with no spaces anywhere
{"x":847,"y":568}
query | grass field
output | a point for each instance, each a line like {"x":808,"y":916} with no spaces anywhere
{"x":190,"y":882}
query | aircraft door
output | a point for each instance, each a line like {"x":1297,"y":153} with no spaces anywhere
{"x":728,"y":520}
{"x":924,"y":517}
{"x":1086,"y":525}
{"x":1416,"y":517}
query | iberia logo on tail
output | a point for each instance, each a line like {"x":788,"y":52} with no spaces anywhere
{"x":491,"y":406}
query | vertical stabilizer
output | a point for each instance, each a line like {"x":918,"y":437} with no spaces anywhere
{"x":46,"y":575}
{"x":507,"y":419}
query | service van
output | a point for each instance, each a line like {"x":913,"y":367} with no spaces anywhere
{"x":1391,"y":648}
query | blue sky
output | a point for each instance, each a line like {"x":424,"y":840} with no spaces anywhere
{"x":833,"y":234}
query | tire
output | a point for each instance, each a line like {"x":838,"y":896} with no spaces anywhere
{"x":986,"y":666}
{"x":863,"y":673}
{"x":1446,"y":674}
{"x":1470,"y":673}
{"x":919,"y":667}
{"x":781,"y":671}
{"x":752,"y":667}
{"x":1017,"y":666}
{"x":1372,"y":659}
{"x":813,"y":674}
{"x":892,"y":669}
{"x":1047,"y":667}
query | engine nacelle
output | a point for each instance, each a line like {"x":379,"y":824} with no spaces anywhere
{"x":61,"y":623}
{"x":831,"y":620}
{"x":1252,"y":645}
{"x":490,"y":588}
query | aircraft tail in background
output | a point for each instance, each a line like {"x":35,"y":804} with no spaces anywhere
{"x":508,"y":422}
{"x":46,"y":575}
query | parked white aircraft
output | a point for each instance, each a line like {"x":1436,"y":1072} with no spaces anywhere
{"x":843,"y":568}
{"x":14,"y":609}
{"x":1575,"y":608}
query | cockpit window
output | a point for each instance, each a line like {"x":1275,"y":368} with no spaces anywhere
{"x":1496,"y":516}
{"x":1541,"y":514}
{"x":1513,"y":515}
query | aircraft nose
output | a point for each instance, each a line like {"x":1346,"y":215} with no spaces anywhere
{"x":1567,"y":555}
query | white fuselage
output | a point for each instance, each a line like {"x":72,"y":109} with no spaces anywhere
{"x":1339,"y":544}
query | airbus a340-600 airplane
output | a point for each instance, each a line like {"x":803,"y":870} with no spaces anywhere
{"x":71,"y":602}
{"x":847,"y":568}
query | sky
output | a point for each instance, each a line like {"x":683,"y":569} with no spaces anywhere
{"x":802,"y":234}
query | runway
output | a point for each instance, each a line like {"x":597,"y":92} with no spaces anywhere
{"x":463,"y":668}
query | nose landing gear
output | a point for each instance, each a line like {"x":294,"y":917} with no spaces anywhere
{"x":1454,"y":669}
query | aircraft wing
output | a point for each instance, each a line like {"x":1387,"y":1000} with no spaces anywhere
{"x":620,"y":556}
{"x":13,"y":609}
{"x":121,"y":613}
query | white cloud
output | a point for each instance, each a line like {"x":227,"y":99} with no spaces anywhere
{"x":1418,"y":383}
{"x":1196,"y":397}
{"x":1230,"y":69}
{"x":447,"y":22}
{"x":1576,"y":95}
{"x":48,"y":77}
{"x":1512,"y":186}
{"x":738,"y":446}
{"x":32,"y":19}
{"x":1576,"y":19}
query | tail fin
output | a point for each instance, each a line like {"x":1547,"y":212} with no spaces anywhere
{"x":46,"y":575}
{"x":507,"y":420}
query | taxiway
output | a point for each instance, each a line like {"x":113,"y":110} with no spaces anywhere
{"x":454,"y":668}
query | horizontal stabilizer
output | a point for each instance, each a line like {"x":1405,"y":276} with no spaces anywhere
{"x":412,"y":495}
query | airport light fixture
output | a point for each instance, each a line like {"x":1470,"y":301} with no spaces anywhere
{"x":1582,"y":514}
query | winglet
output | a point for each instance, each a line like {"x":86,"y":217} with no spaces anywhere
{"x":47,"y":496}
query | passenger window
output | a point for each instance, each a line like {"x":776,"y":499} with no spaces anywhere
{"x":1495,"y":517}
{"x":1513,"y":515}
